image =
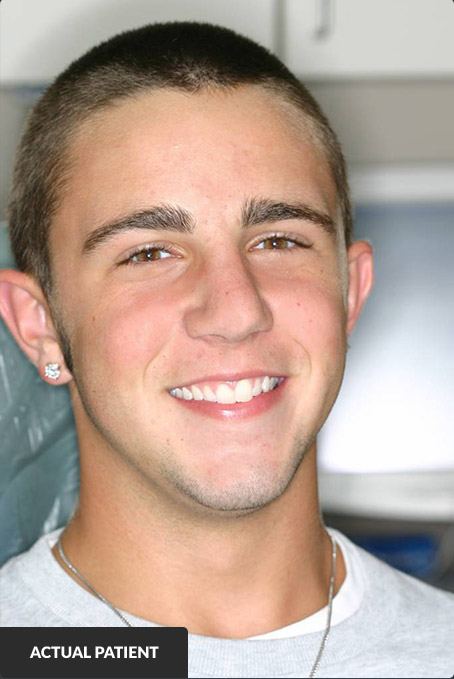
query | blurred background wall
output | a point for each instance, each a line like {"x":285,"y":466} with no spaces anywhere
{"x":384,"y":74}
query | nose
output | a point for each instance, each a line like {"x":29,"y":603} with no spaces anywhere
{"x":228,"y":304}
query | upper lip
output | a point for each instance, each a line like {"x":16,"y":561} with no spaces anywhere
{"x":231,"y":377}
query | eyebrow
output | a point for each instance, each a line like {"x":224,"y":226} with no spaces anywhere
{"x":261,"y":210}
{"x":173,"y":218}
{"x":158,"y":217}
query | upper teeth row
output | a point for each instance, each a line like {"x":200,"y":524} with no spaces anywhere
{"x":240,"y":392}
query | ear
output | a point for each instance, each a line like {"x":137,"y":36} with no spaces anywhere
{"x":25,"y":311}
{"x":360,"y":279}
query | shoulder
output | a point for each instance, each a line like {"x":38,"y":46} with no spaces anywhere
{"x":406,"y":594}
{"x":20,"y":601}
{"x":406,"y":621}
{"x":391,"y":585}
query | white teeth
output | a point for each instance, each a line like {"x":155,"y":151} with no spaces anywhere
{"x":266,"y":384}
{"x":197,"y":393}
{"x":224,"y":394}
{"x":257,"y":388}
{"x":243,"y":391}
{"x":209,"y":394}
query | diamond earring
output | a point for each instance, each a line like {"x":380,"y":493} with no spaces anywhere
{"x":52,"y":371}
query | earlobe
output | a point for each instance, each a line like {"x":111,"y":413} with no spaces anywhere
{"x":25,"y":312}
{"x":361,"y":277}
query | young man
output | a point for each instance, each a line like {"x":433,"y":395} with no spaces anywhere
{"x":181,"y":222}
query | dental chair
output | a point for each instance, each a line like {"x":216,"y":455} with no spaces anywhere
{"x":39,"y":473}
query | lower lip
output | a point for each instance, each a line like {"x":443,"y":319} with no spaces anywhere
{"x":232,"y":411}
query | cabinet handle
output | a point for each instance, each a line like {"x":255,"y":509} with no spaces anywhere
{"x":325,"y":19}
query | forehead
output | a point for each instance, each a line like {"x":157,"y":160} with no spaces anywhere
{"x":206,"y":151}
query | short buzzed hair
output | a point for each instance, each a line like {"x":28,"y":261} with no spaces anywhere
{"x":180,"y":55}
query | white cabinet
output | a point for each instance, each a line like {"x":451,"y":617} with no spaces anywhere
{"x":39,"y":38}
{"x":368,"y":38}
{"x":316,"y":38}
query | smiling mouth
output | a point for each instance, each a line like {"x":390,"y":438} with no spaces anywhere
{"x":229,"y":392}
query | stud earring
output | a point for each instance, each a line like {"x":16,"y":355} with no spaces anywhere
{"x":52,"y":371}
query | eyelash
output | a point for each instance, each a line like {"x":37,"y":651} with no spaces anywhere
{"x":285,"y":237}
{"x":128,"y":261}
{"x":147,"y":249}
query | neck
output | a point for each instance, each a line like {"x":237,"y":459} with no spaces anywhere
{"x":218,"y":576}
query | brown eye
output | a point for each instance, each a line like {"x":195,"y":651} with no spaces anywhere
{"x":148,"y":255}
{"x":277,"y":243}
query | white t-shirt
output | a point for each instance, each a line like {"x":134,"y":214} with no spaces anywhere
{"x":384,"y":623}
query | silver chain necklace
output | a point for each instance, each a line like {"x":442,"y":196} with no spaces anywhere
{"x":316,"y":664}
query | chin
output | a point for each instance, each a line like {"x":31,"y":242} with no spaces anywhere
{"x":256,"y":489}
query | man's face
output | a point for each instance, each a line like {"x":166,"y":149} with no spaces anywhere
{"x":234,"y":279}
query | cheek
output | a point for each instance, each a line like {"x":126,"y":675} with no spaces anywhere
{"x":125,"y":333}
{"x":314,"y":316}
